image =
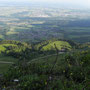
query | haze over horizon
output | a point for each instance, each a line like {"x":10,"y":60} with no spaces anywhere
{"x":53,"y":3}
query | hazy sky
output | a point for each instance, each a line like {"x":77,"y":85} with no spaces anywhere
{"x":84,"y":3}
{"x":65,"y":1}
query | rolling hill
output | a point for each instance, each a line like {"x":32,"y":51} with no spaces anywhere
{"x":50,"y":45}
{"x":10,"y":52}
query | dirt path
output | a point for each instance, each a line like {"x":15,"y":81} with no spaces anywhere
{"x":3,"y":62}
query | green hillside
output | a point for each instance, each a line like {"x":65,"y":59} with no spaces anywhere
{"x":59,"y":45}
{"x":13,"y":48}
{"x":11,"y":52}
{"x":50,"y":45}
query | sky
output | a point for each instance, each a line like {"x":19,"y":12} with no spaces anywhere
{"x":81,"y":3}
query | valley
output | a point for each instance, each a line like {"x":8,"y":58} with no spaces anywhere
{"x":33,"y":25}
{"x":44,"y":48}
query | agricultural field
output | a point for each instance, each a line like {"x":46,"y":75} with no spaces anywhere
{"x":37,"y":24}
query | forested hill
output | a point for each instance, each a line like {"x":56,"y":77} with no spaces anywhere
{"x":12,"y":51}
{"x":17,"y":48}
{"x":50,"y":45}
{"x":13,"y":48}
